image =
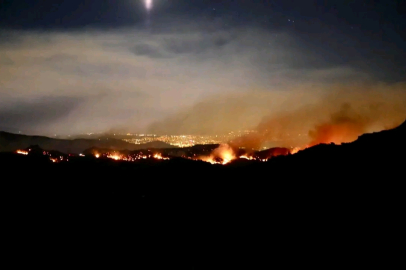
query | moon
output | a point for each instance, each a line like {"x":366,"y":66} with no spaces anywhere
{"x":148,"y":4}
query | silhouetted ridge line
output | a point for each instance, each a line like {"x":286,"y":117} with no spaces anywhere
{"x":402,"y":126}
{"x":11,"y":142}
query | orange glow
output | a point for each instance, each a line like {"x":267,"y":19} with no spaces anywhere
{"x":295,"y":150}
{"x":223,"y":154}
{"x":97,"y":155}
{"x":246,"y":157}
{"x":115,"y":157}
{"x":335,"y":133}
{"x":21,"y":152}
{"x":159,"y":156}
{"x":208,"y":159}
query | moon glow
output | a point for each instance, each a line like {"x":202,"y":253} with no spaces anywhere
{"x":148,"y":4}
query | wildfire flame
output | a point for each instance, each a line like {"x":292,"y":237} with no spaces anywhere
{"x":221,"y":155}
{"x":246,"y":157}
{"x":115,"y":157}
{"x":159,"y":156}
{"x":296,"y":149}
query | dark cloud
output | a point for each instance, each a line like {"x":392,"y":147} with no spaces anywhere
{"x":60,"y":14}
{"x":193,"y":43}
{"x":38,"y":112}
{"x":148,"y":50}
{"x":196,"y":45}
{"x":192,"y":69}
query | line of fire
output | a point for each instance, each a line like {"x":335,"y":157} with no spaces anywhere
{"x":216,"y":154}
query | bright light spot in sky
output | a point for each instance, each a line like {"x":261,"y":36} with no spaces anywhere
{"x":148,"y":4}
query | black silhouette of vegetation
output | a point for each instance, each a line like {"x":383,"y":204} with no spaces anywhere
{"x":327,"y":195}
{"x":11,"y":142}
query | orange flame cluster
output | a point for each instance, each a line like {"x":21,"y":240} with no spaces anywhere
{"x":246,"y":157}
{"x":296,"y":149}
{"x":159,"y":156}
{"x":117,"y":156}
{"x":221,"y":155}
{"x":22,"y":152}
{"x":224,"y":154}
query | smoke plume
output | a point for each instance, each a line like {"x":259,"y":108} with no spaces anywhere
{"x":301,"y":117}
{"x":343,"y":126}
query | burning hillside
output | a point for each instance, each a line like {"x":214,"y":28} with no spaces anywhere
{"x":340,"y":126}
{"x":340,"y":129}
{"x":130,"y":156}
{"x":53,"y":156}
{"x":223,"y":154}
{"x":301,"y":116}
{"x":226,"y":153}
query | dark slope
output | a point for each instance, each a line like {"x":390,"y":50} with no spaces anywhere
{"x":11,"y":142}
{"x":272,"y":152}
{"x":382,"y":152}
{"x":329,"y":205}
{"x":157,"y":145}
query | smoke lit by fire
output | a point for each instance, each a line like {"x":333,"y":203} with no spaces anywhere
{"x":343,"y":126}
{"x":296,"y":118}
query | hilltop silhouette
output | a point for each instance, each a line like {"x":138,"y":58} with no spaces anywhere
{"x":10,"y":142}
{"x":347,"y":198}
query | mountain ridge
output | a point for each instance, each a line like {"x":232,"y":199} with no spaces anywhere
{"x":11,"y":142}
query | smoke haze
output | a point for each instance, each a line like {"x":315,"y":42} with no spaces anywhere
{"x":199,"y":77}
{"x":322,"y":113}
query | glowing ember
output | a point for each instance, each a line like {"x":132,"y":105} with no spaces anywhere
{"x":97,"y":155}
{"x":245,"y":157}
{"x":115,"y":157}
{"x":159,"y":156}
{"x":21,"y":152}
{"x":53,"y":160}
{"x":295,"y":150}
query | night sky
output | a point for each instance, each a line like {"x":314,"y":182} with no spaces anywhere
{"x":191,"y":66}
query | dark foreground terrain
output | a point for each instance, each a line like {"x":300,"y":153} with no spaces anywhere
{"x":328,"y":206}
